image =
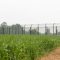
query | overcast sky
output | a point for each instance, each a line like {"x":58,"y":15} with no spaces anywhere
{"x":29,"y":11}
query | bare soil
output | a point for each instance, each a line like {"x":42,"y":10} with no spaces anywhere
{"x":54,"y":55}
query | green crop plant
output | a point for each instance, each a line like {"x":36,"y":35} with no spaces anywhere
{"x":26,"y":47}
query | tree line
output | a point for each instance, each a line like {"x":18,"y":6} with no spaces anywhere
{"x":19,"y":29}
{"x":15,"y":29}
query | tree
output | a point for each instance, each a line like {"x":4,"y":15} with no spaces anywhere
{"x":4,"y":28}
{"x":4,"y":24}
{"x":18,"y":29}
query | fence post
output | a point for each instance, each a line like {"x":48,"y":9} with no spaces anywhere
{"x":56,"y":30}
{"x":24,"y":28}
{"x":38,"y":29}
{"x":53,"y":29}
{"x":9,"y":30}
{"x":2,"y":30}
{"x":15,"y":30}
{"x":30,"y":29}
{"x":45,"y":29}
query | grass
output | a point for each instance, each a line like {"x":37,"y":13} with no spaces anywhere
{"x":26,"y":47}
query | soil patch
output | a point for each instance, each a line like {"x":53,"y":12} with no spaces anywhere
{"x":54,"y":55}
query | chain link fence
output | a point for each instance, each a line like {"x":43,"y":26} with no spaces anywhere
{"x":31,"y":29}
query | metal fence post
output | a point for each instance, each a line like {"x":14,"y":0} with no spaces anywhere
{"x":24,"y":28}
{"x":38,"y":29}
{"x":9,"y":30}
{"x":2,"y":30}
{"x":56,"y":30}
{"x":53,"y":29}
{"x":30,"y":29}
{"x":45,"y":29}
{"x":15,"y":30}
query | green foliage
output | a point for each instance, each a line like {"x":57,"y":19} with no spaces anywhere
{"x":26,"y":47}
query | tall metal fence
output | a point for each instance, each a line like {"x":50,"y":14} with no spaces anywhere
{"x":53,"y":29}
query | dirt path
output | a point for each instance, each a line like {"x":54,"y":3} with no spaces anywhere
{"x":55,"y":55}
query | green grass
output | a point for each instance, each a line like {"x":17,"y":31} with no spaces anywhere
{"x":26,"y":47}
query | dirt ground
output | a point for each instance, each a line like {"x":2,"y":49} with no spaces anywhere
{"x":54,"y":55}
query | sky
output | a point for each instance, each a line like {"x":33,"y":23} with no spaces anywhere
{"x":29,"y":11}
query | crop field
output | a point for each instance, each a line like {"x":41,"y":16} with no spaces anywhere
{"x":26,"y":47}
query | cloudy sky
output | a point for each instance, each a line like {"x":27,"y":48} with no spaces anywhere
{"x":29,"y":11}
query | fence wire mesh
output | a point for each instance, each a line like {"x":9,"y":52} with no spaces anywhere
{"x":31,"y":29}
